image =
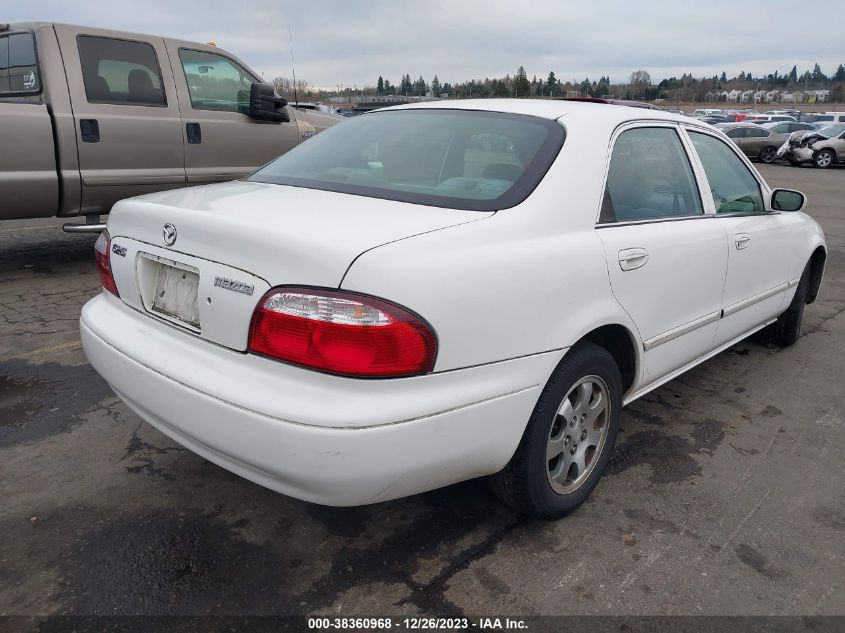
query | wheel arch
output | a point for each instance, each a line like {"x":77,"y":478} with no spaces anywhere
{"x":828,"y":148}
{"x":817,"y":264}
{"x":622,"y":344}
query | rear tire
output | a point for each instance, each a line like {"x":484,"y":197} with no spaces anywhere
{"x":575,"y":420}
{"x":768,"y":154}
{"x":787,"y":329}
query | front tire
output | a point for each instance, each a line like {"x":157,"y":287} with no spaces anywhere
{"x":568,"y":439}
{"x":823,"y":159}
{"x":787,"y":329}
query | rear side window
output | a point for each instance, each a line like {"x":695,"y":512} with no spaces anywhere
{"x":460,"y":159}
{"x":215,"y":82}
{"x":18,"y":64}
{"x":737,"y":132}
{"x":734,"y":188}
{"x":755,"y":132}
{"x":650,"y":177}
{"x":121,"y":72}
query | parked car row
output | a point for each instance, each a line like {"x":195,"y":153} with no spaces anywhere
{"x":761,"y":142}
{"x":822,"y":148}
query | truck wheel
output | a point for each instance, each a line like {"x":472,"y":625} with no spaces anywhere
{"x":823,"y":158}
{"x":787,"y":328}
{"x":569,"y":437}
{"x":768,"y":154}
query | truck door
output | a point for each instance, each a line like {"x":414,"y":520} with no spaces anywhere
{"x":221,"y":142}
{"x":29,"y":184}
{"x":128,"y":128}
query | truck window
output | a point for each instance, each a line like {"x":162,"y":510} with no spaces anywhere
{"x":215,"y":82}
{"x":120,"y":72}
{"x":18,"y":67}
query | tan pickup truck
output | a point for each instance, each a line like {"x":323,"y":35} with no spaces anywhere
{"x":90,"y":116}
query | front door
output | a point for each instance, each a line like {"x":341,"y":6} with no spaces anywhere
{"x":126,"y":115}
{"x":666,"y":257}
{"x":221,"y":141}
{"x":761,"y":251}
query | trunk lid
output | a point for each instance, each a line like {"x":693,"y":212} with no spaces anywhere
{"x":242,"y":238}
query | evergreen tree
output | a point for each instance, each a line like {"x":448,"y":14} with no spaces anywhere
{"x":520,"y":83}
{"x":405,"y":84}
{"x":840,"y":73}
{"x":436,"y":88}
{"x":552,"y":85}
{"x":818,"y":75}
{"x":793,"y":75}
{"x":380,"y":85}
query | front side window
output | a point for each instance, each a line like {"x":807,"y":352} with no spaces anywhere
{"x":650,"y":177}
{"x":480,"y":161}
{"x":733,"y":186}
{"x":18,"y":64}
{"x":120,"y":72}
{"x":737,"y":132}
{"x":215,"y":82}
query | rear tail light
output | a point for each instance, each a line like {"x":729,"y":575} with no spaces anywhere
{"x":341,"y":333}
{"x":102,"y":249}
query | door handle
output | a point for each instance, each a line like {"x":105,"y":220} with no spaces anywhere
{"x":742,"y":240}
{"x":194,"y":133}
{"x":89,"y":130}
{"x":632,"y":258}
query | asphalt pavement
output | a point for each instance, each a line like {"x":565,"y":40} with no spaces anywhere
{"x":726,"y":494}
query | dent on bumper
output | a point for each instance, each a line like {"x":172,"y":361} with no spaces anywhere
{"x":168,"y":378}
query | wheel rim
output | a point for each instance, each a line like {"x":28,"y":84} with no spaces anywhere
{"x":768,"y":155}
{"x":578,"y":435}
{"x":823,"y":159}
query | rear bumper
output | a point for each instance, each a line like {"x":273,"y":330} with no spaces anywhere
{"x":325,"y":439}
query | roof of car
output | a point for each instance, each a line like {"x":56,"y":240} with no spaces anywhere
{"x":551,"y":109}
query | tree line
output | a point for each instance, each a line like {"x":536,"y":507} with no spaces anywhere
{"x":638,"y":86}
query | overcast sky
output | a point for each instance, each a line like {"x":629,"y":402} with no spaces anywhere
{"x":352,"y":42}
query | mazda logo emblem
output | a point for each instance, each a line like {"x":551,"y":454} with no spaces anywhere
{"x":168,"y":234}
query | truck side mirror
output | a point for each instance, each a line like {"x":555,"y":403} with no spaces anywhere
{"x":263,"y":104}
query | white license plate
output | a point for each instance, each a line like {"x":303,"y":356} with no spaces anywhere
{"x":176,"y":294}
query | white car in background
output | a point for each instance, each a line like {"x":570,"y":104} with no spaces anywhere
{"x":442,"y":291}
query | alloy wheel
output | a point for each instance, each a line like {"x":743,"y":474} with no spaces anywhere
{"x":578,"y":434}
{"x":823,"y":159}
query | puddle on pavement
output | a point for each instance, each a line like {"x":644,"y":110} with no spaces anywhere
{"x":39,"y":400}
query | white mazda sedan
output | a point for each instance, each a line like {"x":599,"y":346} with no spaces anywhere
{"x":442,"y":291}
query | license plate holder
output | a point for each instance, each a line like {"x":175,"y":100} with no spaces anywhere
{"x":176,"y":294}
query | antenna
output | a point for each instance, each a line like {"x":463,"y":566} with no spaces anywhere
{"x":292,"y":67}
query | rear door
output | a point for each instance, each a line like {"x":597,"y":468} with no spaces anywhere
{"x":126,"y":115}
{"x":221,"y":142}
{"x":665,"y":255}
{"x":761,"y":244}
{"x":29,"y":184}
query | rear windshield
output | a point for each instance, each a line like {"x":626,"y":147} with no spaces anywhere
{"x":480,"y":161}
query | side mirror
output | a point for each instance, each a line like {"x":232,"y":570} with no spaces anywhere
{"x":787,"y":200}
{"x":263,"y":104}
